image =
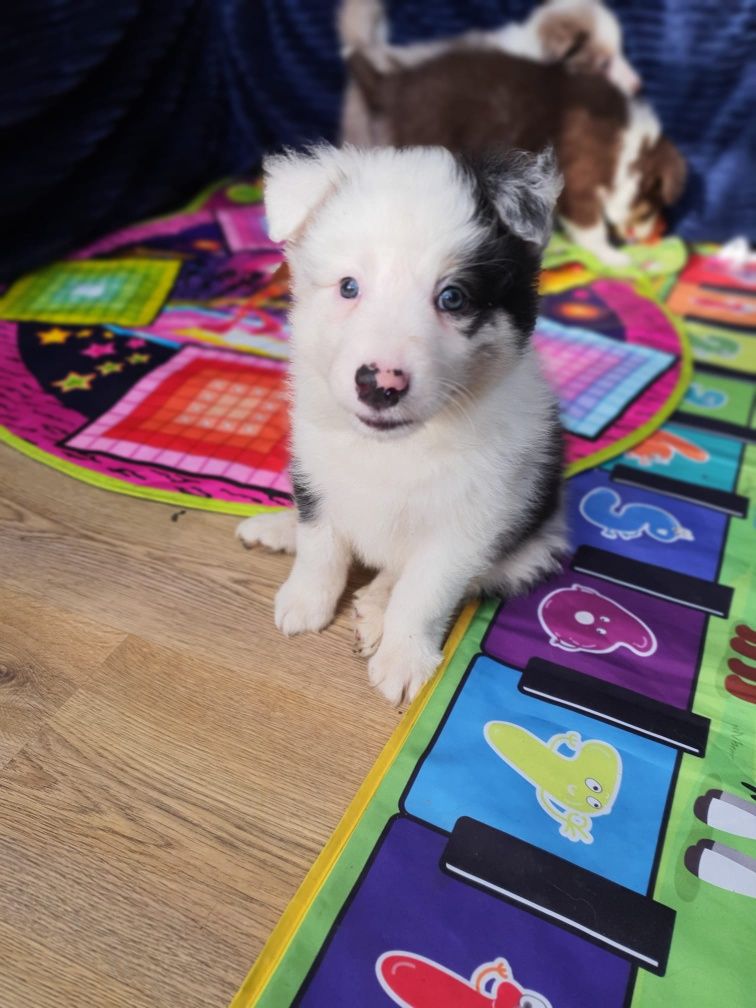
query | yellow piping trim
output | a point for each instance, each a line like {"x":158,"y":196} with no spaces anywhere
{"x":270,"y":958}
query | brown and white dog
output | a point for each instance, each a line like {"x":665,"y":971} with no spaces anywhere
{"x":583,"y":35}
{"x":619,"y":171}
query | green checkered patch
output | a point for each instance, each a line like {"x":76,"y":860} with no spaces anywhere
{"x":127,"y":292}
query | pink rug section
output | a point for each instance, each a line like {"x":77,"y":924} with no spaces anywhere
{"x":644,"y":323}
{"x":32,"y":415}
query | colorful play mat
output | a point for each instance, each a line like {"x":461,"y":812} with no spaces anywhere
{"x":154,"y":361}
{"x":566,"y":816}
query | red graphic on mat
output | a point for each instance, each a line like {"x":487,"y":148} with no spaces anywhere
{"x":718,"y":271}
{"x":412,"y":981}
{"x":742,"y":682}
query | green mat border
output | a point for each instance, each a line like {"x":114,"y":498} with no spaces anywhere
{"x":267,"y":985}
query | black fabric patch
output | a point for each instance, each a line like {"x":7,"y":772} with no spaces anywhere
{"x":711,"y":497}
{"x":52,"y":363}
{"x":618,"y":919}
{"x":725,"y":372}
{"x":634,"y":712}
{"x":501,"y":273}
{"x":307,"y":501}
{"x":694,"y":592}
{"x":737,"y":431}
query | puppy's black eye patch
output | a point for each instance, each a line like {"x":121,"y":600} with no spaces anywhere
{"x":500,"y":275}
{"x":451,"y":299}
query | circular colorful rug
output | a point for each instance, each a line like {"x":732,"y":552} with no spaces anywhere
{"x":153,"y":362}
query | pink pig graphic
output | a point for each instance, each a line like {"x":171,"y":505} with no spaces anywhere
{"x":582,"y":619}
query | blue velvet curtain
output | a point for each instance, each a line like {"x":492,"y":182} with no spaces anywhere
{"x":111,"y":110}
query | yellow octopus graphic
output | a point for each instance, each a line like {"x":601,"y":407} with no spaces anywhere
{"x":571,"y":789}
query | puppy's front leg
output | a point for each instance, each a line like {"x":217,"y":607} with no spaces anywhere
{"x":307,"y":600}
{"x":420,"y":606}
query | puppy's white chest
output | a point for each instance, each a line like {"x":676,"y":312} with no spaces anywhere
{"x":380,"y":501}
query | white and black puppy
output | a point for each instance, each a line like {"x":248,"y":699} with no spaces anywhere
{"x":425,"y":440}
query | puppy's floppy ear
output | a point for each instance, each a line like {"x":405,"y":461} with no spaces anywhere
{"x":524,"y":188}
{"x":296,"y":183}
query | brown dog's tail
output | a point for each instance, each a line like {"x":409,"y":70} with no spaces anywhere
{"x":363,"y":31}
{"x":370,"y":81}
{"x":361,"y":25}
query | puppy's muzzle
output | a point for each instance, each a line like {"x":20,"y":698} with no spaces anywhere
{"x":380,"y":388}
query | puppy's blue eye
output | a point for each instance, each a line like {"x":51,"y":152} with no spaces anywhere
{"x":349,"y":287}
{"x":451,"y":299}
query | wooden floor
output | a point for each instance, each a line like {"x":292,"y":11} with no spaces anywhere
{"x":170,"y":766}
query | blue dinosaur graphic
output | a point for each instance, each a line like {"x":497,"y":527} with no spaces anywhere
{"x":603,"y":507}
{"x":706,"y":398}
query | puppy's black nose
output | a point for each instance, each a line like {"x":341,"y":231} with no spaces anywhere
{"x":379,"y":387}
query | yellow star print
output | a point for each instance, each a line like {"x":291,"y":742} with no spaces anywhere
{"x":75,"y":382}
{"x":109,"y":367}
{"x":138,"y":358}
{"x":54,"y":335}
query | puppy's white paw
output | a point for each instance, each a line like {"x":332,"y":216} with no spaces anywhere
{"x":277,"y":530}
{"x":399,"y":672}
{"x":369,"y":606}
{"x":302,"y":606}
